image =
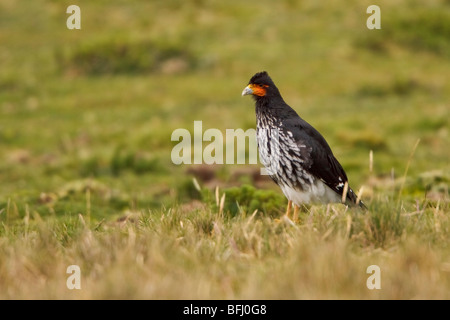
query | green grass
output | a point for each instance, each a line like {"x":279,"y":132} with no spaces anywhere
{"x":86,"y":176}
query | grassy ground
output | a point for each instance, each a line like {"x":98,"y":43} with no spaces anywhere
{"x":86,"y":176}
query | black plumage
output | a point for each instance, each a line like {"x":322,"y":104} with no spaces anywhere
{"x":295,"y":155}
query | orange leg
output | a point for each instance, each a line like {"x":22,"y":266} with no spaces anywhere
{"x":288,"y":209}
{"x":295,"y":217}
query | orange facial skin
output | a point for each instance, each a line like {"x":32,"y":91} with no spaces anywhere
{"x":258,"y":89}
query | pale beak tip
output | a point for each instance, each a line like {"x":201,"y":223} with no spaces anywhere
{"x":247,"y":91}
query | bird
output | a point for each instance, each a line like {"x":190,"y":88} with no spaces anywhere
{"x":295,"y":155}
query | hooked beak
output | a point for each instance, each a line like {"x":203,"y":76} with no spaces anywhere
{"x":248,"y":90}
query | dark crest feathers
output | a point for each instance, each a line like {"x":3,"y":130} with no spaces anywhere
{"x":261,"y":78}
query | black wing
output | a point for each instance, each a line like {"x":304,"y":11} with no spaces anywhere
{"x":320,"y":161}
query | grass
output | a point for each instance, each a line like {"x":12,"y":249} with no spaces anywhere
{"x":86,"y":178}
{"x":201,"y":254}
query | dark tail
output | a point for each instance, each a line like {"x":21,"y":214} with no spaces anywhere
{"x":353,"y":200}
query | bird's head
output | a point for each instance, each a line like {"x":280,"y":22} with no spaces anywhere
{"x":261,"y":85}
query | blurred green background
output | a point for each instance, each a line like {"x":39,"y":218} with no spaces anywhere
{"x":94,"y":109}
